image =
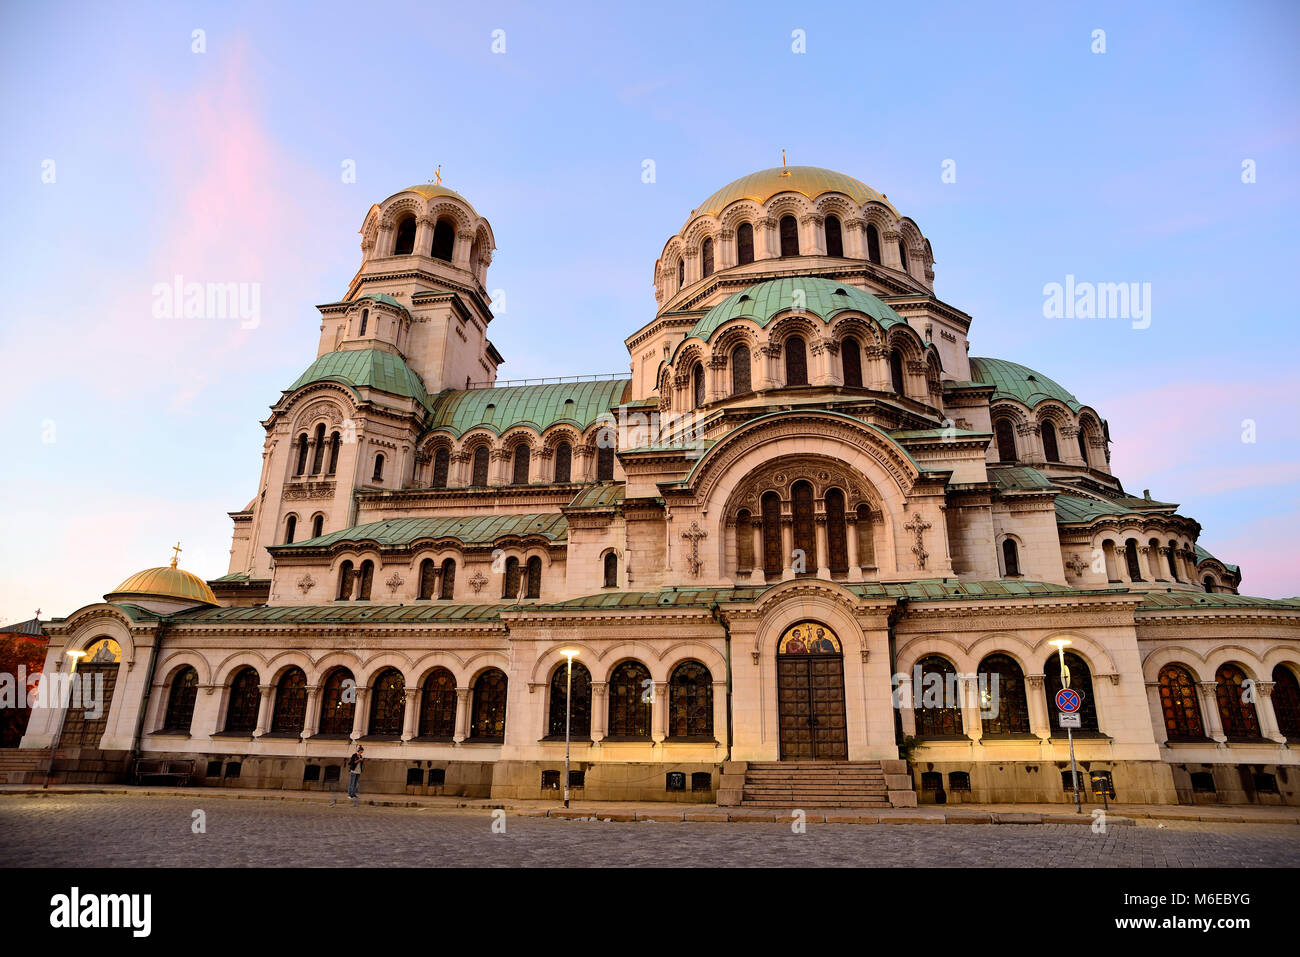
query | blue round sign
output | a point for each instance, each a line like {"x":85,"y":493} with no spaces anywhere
{"x":1068,"y":700}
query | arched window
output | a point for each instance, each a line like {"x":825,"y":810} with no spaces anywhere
{"x":837,"y":539}
{"x":1131,"y":560}
{"x":1006,"y":439}
{"x":1208,"y":583}
{"x":690,"y":702}
{"x":563,"y":462}
{"x":681,"y":273}
{"x":740,"y":379}
{"x":1050,"y":451}
{"x":834,"y":237}
{"x":290,"y":527}
{"x":405,"y":242}
{"x":365,"y":579}
{"x":1080,"y":681}
{"x":772,"y":557}
{"x":744,"y":244}
{"x":630,"y":693}
{"x":937,"y":698}
{"x":338,"y":703}
{"x":866,"y":537}
{"x":697,"y":384}
{"x":789,"y":236}
{"x":317,"y":525}
{"x":428,"y":579}
{"x":365,"y":320}
{"x":896,"y":372}
{"x":1083,"y":447}
{"x":448,"y":580}
{"x":301,"y":465}
{"x":611,"y":570}
{"x":580,"y":716}
{"x":444,"y":240}
{"x":1236,"y":702}
{"x":488,"y":713}
{"x":805,"y":535}
{"x":379,"y":468}
{"x":533,"y":586}
{"x":335,"y":441}
{"x":706,"y":258}
{"x":873,"y":244}
{"x":1002,"y":696}
{"x":851,"y":357}
{"x":1171,"y":558}
{"x":902,"y":254}
{"x":345,"y":581}
{"x":180,"y":703}
{"x":290,"y":712}
{"x":796,"y":361}
{"x":523,"y":458}
{"x":438,"y":706}
{"x":1010,"y":558}
{"x":744,"y":543}
{"x":388,"y":703}
{"x":605,"y":463}
{"x":510,"y":584}
{"x":245,"y":699}
{"x":480,"y":467}
{"x":1286,"y":702}
{"x":318,"y":456}
{"x":441,"y":466}
{"x":1179,"y":704}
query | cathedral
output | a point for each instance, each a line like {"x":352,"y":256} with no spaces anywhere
{"x":807,"y":550}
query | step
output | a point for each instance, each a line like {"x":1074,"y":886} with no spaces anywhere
{"x":805,"y":805}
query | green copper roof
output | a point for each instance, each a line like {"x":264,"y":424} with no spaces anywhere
{"x":468,"y":529}
{"x":1202,"y":555}
{"x":604,"y":495}
{"x":541,"y":406}
{"x":1175,"y":600}
{"x":1019,"y":477}
{"x":348,"y":612}
{"x":1014,"y":381}
{"x":382,"y":297}
{"x":821,"y":297}
{"x":368,"y":368}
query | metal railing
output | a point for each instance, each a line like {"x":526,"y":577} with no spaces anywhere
{"x":546,"y":380}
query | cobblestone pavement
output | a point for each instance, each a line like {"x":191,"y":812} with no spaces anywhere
{"x":104,"y":830}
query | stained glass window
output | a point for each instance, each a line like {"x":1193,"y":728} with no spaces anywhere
{"x":338,"y":702}
{"x":388,"y":703}
{"x":744,"y":244}
{"x":772,"y":563}
{"x":581,"y":715}
{"x":1286,"y":702}
{"x":690,"y":701}
{"x":290,"y":710}
{"x":1236,"y":703}
{"x":805,"y":535}
{"x":796,"y":361}
{"x":851,"y":357}
{"x":740,"y":377}
{"x":438,"y":706}
{"x":488,"y":715}
{"x":241,"y":715}
{"x":180,"y":705}
{"x":1179,"y":704}
{"x":837,"y":539}
{"x":936,"y":699}
{"x":1003,"y":706}
{"x":1080,"y":681}
{"x":630,"y":695}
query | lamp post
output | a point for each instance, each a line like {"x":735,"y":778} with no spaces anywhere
{"x":570,"y":654}
{"x":1060,"y":644}
{"x":76,"y":656}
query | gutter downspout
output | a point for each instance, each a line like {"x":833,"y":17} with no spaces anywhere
{"x":895,"y":614}
{"x":726,"y":638}
{"x":148,"y":692}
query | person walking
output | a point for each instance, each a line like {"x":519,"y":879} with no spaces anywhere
{"x":354,"y":772}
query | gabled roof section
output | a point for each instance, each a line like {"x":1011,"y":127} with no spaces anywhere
{"x":823,"y":298}
{"x":366,"y":368}
{"x":579,"y":404}
{"x":604,"y":495}
{"x":467,"y":529}
{"x":1014,"y":381}
{"x":1020,"y":477}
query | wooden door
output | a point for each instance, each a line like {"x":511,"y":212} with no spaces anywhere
{"x":810,"y":703}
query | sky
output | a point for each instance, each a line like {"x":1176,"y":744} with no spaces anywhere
{"x":1163,"y":151}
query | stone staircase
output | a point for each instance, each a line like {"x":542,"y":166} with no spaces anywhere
{"x":816,"y":784}
{"x":23,"y":766}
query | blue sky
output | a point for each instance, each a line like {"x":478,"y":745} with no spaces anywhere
{"x":126,"y":432}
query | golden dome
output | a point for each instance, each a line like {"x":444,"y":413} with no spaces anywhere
{"x":811,"y":181}
{"x":165,"y":582}
{"x":430,"y":190}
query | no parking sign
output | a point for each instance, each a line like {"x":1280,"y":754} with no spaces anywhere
{"x":1068,"y":700}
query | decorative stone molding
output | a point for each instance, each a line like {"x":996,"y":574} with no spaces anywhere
{"x":306,"y":583}
{"x":917,"y":526}
{"x":300,"y":491}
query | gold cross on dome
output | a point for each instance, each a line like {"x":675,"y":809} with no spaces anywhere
{"x":176,"y":552}
{"x":785,"y":171}
{"x":437,"y":174}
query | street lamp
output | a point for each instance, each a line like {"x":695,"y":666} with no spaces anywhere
{"x":76,"y":657}
{"x":1060,"y":645}
{"x":570,"y":654}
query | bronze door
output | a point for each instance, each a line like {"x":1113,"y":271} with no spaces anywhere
{"x":80,"y":728}
{"x":810,"y":702}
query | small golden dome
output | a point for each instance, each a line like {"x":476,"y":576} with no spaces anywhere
{"x":167,"y":582}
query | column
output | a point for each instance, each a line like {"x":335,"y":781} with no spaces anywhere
{"x":264,"y":710}
{"x":851,"y":534}
{"x":787,"y":548}
{"x":971,"y":721}
{"x":766,"y":244}
{"x":1157,"y":711}
{"x":409,"y":717}
{"x":361,"y":713}
{"x":1264,"y":710}
{"x":758,"y":577}
{"x":311,"y":716}
{"x":659,"y":712}
{"x":1040,"y":715}
{"x":855,"y":239}
{"x":462,"y":715}
{"x":812,"y":236}
{"x":720,"y":711}
{"x":423,"y":236}
{"x":823,"y":547}
{"x":599,"y":713}
{"x":1210,"y":711}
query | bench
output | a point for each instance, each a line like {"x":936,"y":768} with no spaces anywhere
{"x":180,"y":771}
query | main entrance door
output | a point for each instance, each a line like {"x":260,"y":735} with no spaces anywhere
{"x":810,"y":694}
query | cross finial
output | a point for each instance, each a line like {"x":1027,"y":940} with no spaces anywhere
{"x":784,"y":168}
{"x":176,"y":552}
{"x":437,"y":174}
